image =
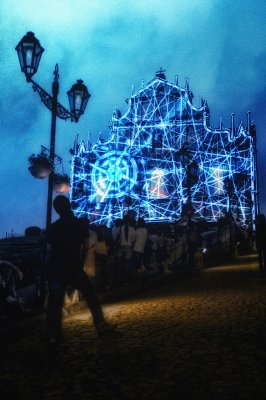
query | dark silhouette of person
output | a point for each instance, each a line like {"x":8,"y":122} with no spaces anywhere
{"x":65,"y":239}
{"x":260,"y":240}
{"x":124,"y":253}
{"x":141,"y":236}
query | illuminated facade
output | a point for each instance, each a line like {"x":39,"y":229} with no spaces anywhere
{"x":162,"y":154}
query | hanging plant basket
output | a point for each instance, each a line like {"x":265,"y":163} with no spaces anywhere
{"x":40,"y":165}
{"x":61,"y":183}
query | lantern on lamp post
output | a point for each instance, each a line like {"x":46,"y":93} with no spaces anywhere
{"x":29,"y":53}
{"x":78,"y":97}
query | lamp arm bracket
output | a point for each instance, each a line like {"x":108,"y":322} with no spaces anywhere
{"x":47,"y":151}
{"x":47,"y":99}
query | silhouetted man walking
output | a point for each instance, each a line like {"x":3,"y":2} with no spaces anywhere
{"x":64,"y":263}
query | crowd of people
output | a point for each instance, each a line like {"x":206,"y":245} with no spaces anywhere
{"x":132,"y":249}
{"x":89,"y":258}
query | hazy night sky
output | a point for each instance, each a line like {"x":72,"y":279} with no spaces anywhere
{"x":112,"y":45}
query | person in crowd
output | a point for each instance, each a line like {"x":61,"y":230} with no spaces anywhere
{"x":162,"y":254}
{"x":114,"y":264}
{"x":228,"y":223}
{"x":124,"y":252}
{"x":169,"y":239}
{"x":193,"y":245}
{"x":260,"y":241}
{"x":65,"y":242}
{"x":101,"y":259}
{"x":190,"y":237}
{"x":116,"y":230}
{"x":182,"y":227}
{"x":141,"y":236}
{"x":72,"y":295}
{"x":107,"y":233}
{"x":150,"y":256}
{"x":249,"y":234}
{"x":10,"y":274}
{"x":90,"y":245}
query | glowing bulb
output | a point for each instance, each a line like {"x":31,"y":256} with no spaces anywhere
{"x":28,"y":57}
{"x":78,"y":100}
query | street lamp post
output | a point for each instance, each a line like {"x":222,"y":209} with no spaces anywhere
{"x":29,"y":53}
